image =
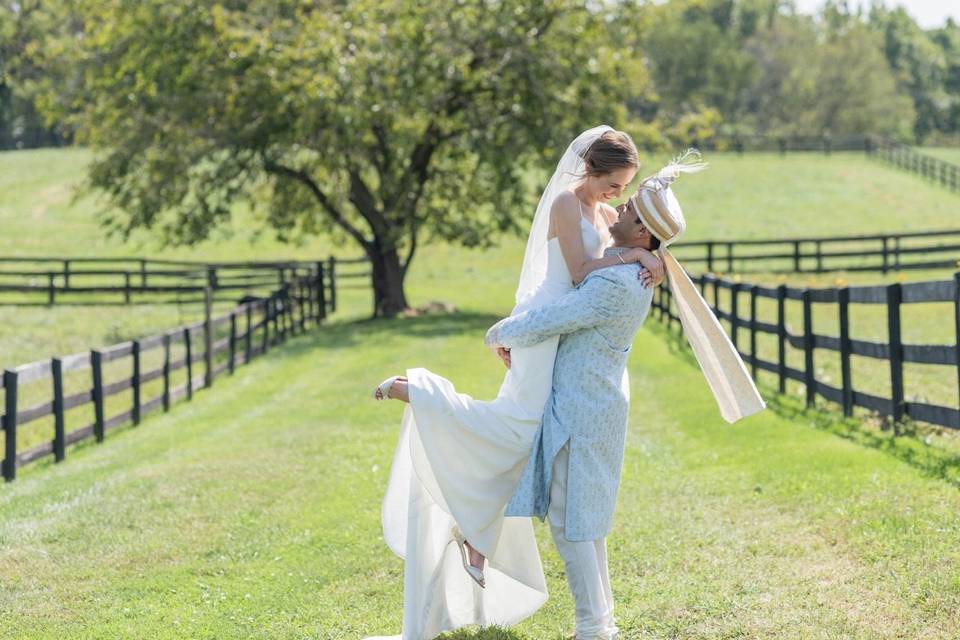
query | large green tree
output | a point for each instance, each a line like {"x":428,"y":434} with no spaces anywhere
{"x":384,"y":122}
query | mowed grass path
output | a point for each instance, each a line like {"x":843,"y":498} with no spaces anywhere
{"x":253,"y":512}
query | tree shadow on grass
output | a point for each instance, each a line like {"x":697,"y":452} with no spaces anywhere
{"x":908,"y":446}
{"x":340,"y":335}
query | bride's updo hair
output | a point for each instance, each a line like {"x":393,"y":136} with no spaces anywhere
{"x":611,"y":151}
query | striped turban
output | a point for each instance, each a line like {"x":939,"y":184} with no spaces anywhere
{"x":726,"y":375}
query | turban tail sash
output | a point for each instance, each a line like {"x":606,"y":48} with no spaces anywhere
{"x":732,"y":386}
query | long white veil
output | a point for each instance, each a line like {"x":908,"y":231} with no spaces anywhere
{"x":569,"y":170}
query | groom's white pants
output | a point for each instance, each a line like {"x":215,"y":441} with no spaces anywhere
{"x":585,"y":562}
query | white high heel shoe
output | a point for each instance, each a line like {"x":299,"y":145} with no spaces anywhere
{"x":471,"y":570}
{"x":383,"y":389}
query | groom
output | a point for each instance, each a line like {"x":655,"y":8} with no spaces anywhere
{"x":573,"y":472}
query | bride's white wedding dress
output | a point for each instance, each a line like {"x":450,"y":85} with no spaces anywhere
{"x":458,"y":460}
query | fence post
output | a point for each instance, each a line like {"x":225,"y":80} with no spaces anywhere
{"x":59,"y":431}
{"x":321,"y":293}
{"x":188,"y":345}
{"x":289,"y":295}
{"x":783,"y":146}
{"x":884,"y":267}
{"x":233,"y":342}
{"x":212,"y":279}
{"x":843,"y":296}
{"x":126,"y":287}
{"x":796,"y":256}
{"x":166,"y":372}
{"x":143,"y":273}
{"x":819,"y":251}
{"x":265,"y":337}
{"x":51,"y":289}
{"x":277,"y":320}
{"x":96,"y":365}
{"x":208,"y":336}
{"x":753,"y":331}
{"x":332,"y":268}
{"x":894,"y":298}
{"x":716,"y":297}
{"x":808,"y":371}
{"x":956,"y":321}
{"x":734,"y":314}
{"x":10,"y":425}
{"x":710,"y":257}
{"x":302,"y":295}
{"x":248,"y":338}
{"x":307,"y":290}
{"x":782,"y":338}
{"x":136,"y":382}
{"x":66,"y":274}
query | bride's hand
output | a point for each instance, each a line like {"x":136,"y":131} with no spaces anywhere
{"x":504,"y":354}
{"x":650,"y":262}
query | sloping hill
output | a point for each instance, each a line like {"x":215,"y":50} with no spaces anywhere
{"x":756,"y":195}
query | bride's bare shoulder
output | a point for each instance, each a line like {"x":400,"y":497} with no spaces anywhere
{"x":565,"y":205}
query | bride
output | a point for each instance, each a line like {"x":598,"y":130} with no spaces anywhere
{"x":458,"y":460}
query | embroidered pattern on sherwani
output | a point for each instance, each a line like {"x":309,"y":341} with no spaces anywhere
{"x":588,"y":401}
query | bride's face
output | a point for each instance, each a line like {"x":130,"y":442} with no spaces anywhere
{"x":608,"y":186}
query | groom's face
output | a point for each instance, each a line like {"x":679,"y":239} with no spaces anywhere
{"x":629,"y":230}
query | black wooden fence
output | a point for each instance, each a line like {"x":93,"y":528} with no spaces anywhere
{"x":745,"y":325}
{"x":248,"y":331}
{"x":879,"y":252}
{"x":905,"y":157}
{"x":44,"y":280}
{"x":783,"y":144}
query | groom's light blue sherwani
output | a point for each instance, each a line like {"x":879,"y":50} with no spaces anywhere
{"x":587,"y":406}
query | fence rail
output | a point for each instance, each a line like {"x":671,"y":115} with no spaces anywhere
{"x":248,"y":331}
{"x":784,"y":144}
{"x":894,"y":352}
{"x":878,"y":253}
{"x":47,"y":281}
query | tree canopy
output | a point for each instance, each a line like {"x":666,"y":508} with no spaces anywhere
{"x":387,"y":122}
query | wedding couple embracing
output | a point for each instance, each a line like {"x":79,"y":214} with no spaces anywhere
{"x":468,"y":476}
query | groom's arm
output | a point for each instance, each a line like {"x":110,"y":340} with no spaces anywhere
{"x":595,"y":301}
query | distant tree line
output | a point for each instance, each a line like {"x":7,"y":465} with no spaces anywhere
{"x":389,"y":123}
{"x":746,"y":67}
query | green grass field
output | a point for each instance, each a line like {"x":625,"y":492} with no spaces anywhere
{"x":950,"y":154}
{"x":753,"y":196}
{"x":253,"y":512}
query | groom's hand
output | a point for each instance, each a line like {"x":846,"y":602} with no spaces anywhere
{"x":504,"y":354}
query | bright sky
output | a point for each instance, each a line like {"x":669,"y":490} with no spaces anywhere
{"x":927,"y":13}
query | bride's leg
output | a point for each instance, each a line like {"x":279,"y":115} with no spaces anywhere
{"x":476,"y":558}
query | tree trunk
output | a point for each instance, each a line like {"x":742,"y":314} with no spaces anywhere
{"x":389,"y":298}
